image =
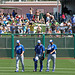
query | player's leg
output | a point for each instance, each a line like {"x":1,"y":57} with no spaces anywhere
{"x":54,"y":60}
{"x":48,"y":61}
{"x":22,"y":62}
{"x":41,"y":65}
{"x":17,"y":63}
{"x":35,"y":63}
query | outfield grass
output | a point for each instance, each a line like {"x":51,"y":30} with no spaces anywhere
{"x":63,"y":67}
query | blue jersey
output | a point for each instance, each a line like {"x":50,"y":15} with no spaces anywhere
{"x":51,"y":48}
{"x":19,"y":49}
{"x":70,"y":31}
{"x":0,"y":31}
{"x":39,"y":49}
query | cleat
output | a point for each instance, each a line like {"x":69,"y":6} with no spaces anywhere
{"x":22,"y":70}
{"x":47,"y":70}
{"x":16,"y":71}
{"x":53,"y":70}
{"x":40,"y":71}
{"x":34,"y":70}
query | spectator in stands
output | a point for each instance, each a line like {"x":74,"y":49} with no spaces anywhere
{"x":0,"y":31}
{"x":63,"y":17}
{"x":70,"y":31}
{"x":53,"y":27}
{"x":57,"y":32}
{"x":31,"y":27}
{"x":8,"y":17}
{"x":24,"y":28}
{"x":28,"y":30}
{"x":8,"y":27}
{"x":38,"y":30}
{"x":37,"y":13}
{"x":47,"y":27}
{"x":56,"y":24}
{"x":12,"y":18}
{"x":16,"y":29}
{"x":5,"y":21}
{"x":31,"y":13}
{"x":60,"y":18}
{"x":62,"y":27}
{"x":69,"y":24}
{"x":1,"y":20}
{"x":42,"y":21}
{"x":33,"y":19}
{"x":0,"y":25}
{"x":14,"y":13}
{"x":66,"y":17}
{"x":51,"y":18}
{"x":4,"y":29}
{"x":13,"y":28}
{"x":47,"y":16}
{"x":73,"y":18}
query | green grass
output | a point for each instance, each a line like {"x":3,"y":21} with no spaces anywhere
{"x":63,"y":67}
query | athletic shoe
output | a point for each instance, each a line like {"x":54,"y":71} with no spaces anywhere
{"x":34,"y":70}
{"x":40,"y":71}
{"x":22,"y":70}
{"x":16,"y":71}
{"x":53,"y":70}
{"x":47,"y":70}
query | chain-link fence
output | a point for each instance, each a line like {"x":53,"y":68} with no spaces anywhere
{"x":65,"y":45}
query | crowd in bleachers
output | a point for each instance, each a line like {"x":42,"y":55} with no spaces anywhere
{"x":14,"y":23}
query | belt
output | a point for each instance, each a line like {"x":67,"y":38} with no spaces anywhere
{"x":19,"y":54}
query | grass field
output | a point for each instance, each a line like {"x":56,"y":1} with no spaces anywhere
{"x":63,"y":67}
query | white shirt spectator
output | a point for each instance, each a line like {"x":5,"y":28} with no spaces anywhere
{"x":47,"y":24}
{"x":61,"y":24}
{"x":69,"y":24}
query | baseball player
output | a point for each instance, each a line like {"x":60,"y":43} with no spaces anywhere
{"x":39,"y":55}
{"x":51,"y":51}
{"x":19,"y":49}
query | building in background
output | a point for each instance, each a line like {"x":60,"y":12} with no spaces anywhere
{"x":43,"y":6}
{"x":67,"y":5}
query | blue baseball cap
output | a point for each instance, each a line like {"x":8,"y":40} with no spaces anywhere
{"x":38,"y":41}
{"x":51,"y":41}
{"x":18,"y":41}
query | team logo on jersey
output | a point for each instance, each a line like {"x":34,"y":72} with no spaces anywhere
{"x":38,"y":46}
{"x":52,"y":46}
{"x":49,"y":48}
{"x":18,"y":48}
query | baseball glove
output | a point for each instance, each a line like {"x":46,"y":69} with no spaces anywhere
{"x":48,"y":51}
{"x":42,"y":57}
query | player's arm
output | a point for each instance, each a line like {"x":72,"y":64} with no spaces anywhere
{"x":52,"y":51}
{"x":22,"y":53}
{"x":15,"y":51}
{"x":43,"y":52}
{"x":35,"y":51}
{"x":55,"y":48}
{"x":43,"y":49}
{"x":22,"y":50}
